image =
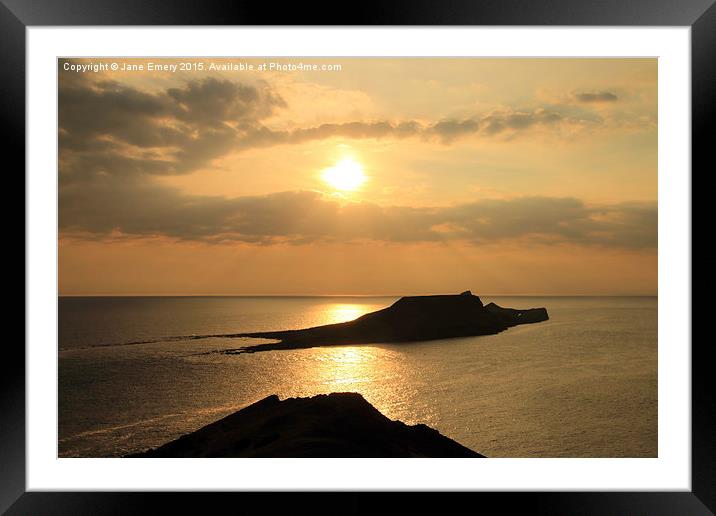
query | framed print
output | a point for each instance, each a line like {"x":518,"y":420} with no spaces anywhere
{"x":441,"y":249}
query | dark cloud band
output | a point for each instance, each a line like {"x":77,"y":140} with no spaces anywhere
{"x":600,"y":96}
{"x":305,"y":216}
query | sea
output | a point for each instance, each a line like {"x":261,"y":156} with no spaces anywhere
{"x":135,"y":373}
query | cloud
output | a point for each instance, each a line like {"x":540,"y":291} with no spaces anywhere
{"x":114,"y":139}
{"x":500,"y":121}
{"x":111,"y":128}
{"x":445,"y":131}
{"x":448,"y":130}
{"x":107,"y":127}
{"x":212,"y":102}
{"x":112,"y":207}
{"x":599,"y":96}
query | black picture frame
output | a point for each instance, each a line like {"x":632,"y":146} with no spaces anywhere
{"x":17,"y":15}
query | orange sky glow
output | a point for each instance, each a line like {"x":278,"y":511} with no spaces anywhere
{"x":387,"y":176}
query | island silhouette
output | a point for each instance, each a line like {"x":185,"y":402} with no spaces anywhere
{"x":409,"y":319}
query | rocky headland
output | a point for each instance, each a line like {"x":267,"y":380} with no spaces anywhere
{"x":326,"y":425}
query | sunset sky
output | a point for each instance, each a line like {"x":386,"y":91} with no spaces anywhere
{"x":388,"y":176}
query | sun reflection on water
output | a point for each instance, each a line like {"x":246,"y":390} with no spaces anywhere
{"x":343,"y":312}
{"x":376,"y":372}
{"x":347,"y":368}
{"x":347,"y":365}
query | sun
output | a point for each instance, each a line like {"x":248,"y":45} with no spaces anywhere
{"x":345,"y":175}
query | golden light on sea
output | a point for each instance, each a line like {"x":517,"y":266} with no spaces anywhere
{"x":343,"y":312}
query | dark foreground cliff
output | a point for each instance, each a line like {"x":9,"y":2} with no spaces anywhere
{"x":413,"y":318}
{"x":332,"y":425}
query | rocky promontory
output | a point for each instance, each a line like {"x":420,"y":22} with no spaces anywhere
{"x":326,"y":425}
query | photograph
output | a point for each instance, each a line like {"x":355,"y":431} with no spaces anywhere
{"x":372,"y":257}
